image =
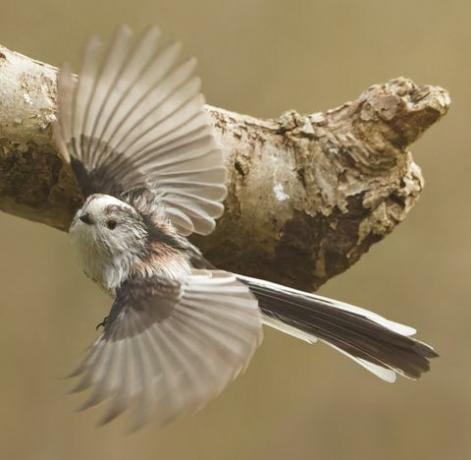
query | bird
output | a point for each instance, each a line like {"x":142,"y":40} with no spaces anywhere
{"x":144,"y":153}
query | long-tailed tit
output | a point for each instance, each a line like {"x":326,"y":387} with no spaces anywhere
{"x":143,"y":151}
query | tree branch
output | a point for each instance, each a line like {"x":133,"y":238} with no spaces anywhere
{"x":308,"y":194}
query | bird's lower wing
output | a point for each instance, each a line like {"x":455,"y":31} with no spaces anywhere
{"x":170,"y":348}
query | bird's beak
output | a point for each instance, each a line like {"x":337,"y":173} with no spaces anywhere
{"x":86,"y":219}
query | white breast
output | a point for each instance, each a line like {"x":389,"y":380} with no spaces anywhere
{"x":107,"y":271}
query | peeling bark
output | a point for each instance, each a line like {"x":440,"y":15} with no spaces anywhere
{"x":308,"y":194}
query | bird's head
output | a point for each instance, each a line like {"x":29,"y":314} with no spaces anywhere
{"x":109,"y":227}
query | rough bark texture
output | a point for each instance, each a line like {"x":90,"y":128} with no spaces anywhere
{"x":308,"y":194}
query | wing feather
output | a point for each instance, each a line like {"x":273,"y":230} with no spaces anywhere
{"x":171,"y":348}
{"x":107,"y":79}
{"x":86,"y":84}
{"x":135,"y":119}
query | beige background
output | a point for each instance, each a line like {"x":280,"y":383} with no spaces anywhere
{"x":298,"y":402}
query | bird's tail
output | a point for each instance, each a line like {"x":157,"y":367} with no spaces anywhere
{"x":383,"y":347}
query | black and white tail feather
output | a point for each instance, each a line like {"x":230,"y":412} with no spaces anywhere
{"x":381,"y":346}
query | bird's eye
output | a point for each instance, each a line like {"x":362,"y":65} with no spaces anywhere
{"x":111,"y":224}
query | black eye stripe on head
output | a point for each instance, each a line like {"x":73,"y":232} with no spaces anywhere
{"x":114,"y":208}
{"x":122,"y":212}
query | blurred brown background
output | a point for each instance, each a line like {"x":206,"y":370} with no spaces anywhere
{"x":263,"y":57}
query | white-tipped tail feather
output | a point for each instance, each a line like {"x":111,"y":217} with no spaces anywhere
{"x":383,"y":347}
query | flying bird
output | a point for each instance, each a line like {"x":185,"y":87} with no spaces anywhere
{"x":144,"y":153}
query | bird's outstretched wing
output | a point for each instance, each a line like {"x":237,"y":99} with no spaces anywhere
{"x":134,"y":119}
{"x":168,"y":348}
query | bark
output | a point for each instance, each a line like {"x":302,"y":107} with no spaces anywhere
{"x":308,"y":194}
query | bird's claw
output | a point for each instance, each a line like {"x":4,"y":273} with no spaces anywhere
{"x":102,"y":324}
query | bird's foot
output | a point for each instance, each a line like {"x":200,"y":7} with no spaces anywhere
{"x":103,"y":323}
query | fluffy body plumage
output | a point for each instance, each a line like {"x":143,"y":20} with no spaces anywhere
{"x":141,"y":146}
{"x":133,"y":246}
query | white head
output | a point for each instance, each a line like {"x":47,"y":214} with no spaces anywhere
{"x":109,"y":235}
